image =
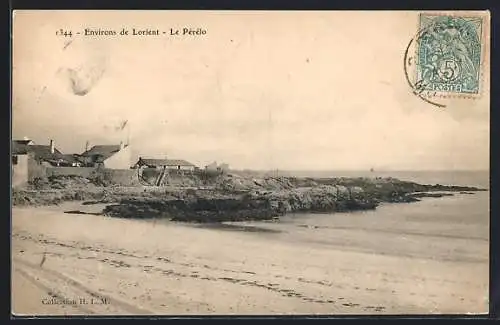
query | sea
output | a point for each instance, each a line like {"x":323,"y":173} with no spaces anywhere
{"x":478,"y":178}
{"x":449,"y":228}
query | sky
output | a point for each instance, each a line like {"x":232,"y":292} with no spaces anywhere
{"x":260,"y":90}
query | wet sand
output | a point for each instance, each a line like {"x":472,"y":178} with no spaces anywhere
{"x":99,"y":265}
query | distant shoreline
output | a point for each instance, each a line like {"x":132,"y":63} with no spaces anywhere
{"x":233,"y":197}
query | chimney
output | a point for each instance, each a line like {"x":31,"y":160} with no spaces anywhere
{"x":121,"y":145}
{"x":52,"y":147}
{"x":87,"y":146}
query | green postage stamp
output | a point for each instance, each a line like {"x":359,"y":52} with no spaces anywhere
{"x":449,"y":54}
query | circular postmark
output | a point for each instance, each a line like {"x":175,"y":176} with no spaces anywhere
{"x":417,"y":85}
{"x":443,"y":60}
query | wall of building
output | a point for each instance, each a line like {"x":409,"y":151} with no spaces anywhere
{"x":124,"y":177}
{"x":120,"y":160}
{"x":27,"y":170}
{"x":180,"y":167}
{"x":224,"y":167}
{"x":35,"y":170}
{"x":212,"y":166}
{"x":20,"y":171}
{"x":86,"y":172}
{"x":149,"y":176}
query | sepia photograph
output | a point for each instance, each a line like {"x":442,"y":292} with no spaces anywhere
{"x":195,"y":163}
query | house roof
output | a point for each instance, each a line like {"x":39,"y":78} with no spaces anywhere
{"x":43,"y":152}
{"x":21,"y":147}
{"x":165,"y":162}
{"x":23,"y":142}
{"x":178,"y":162}
{"x":102,"y":152}
{"x":153,"y":162}
{"x":71,"y":158}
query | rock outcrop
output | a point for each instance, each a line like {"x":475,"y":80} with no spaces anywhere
{"x":235,"y":198}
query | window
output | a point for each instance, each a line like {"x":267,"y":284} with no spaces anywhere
{"x":14,"y":160}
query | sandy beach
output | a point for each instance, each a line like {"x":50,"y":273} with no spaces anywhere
{"x":101,"y":265}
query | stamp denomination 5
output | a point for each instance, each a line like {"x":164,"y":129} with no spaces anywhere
{"x":449,"y":53}
{"x":445,"y":58}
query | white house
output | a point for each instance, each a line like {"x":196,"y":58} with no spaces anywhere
{"x":109,"y":156}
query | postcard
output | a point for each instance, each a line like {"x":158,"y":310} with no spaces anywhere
{"x":250,"y":162}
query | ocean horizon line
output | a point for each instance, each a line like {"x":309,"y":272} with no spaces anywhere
{"x":362,"y":170}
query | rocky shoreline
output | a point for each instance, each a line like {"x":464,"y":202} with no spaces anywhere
{"x":236,"y":199}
